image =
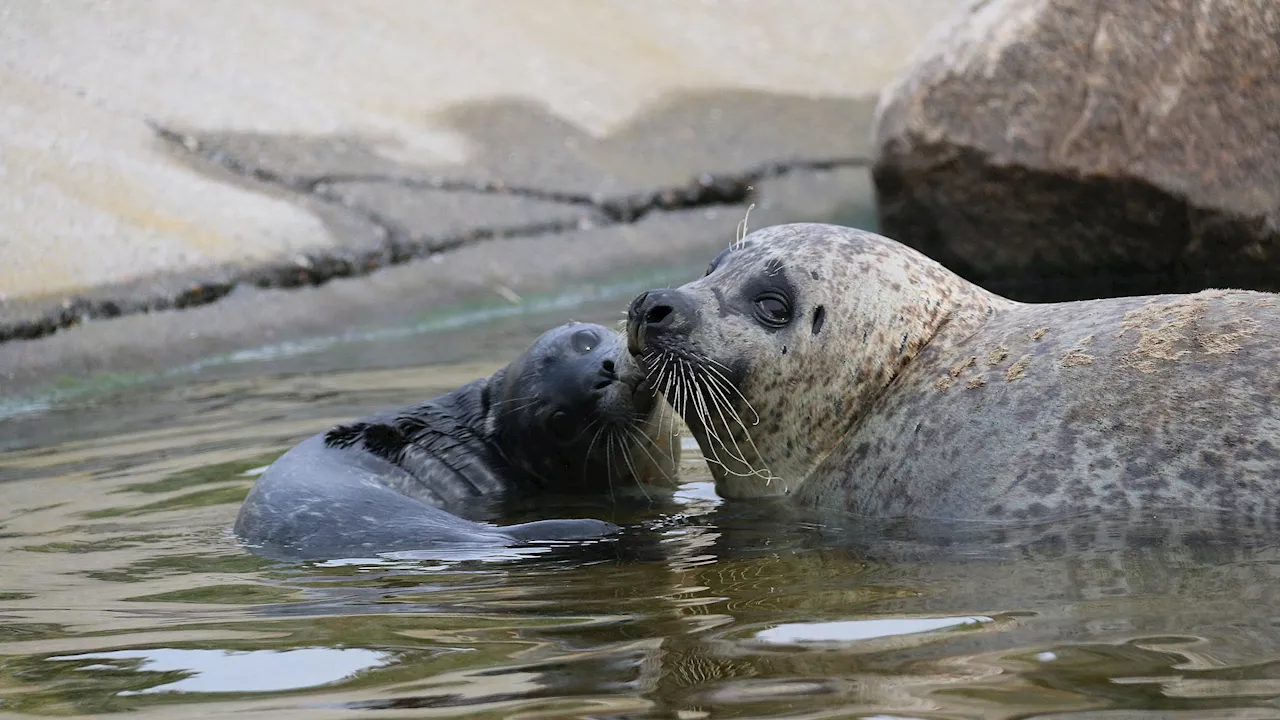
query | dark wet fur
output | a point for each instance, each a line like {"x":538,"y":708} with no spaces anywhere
{"x":406,"y":479}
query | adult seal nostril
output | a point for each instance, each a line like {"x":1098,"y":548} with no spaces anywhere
{"x":658,"y":316}
{"x":655,"y":311}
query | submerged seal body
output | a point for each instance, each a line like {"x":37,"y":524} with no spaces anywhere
{"x":564,"y":417}
{"x":847,"y":370}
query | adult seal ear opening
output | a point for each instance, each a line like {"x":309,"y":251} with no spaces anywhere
{"x":564,"y":417}
{"x":844,"y":369}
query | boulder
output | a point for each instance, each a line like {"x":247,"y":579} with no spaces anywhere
{"x":1064,"y":149}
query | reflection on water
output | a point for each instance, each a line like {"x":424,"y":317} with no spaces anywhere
{"x":212,"y":671}
{"x":846,"y":631}
{"x":123,"y":592}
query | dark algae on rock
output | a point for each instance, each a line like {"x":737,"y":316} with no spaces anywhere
{"x":1070,"y":149}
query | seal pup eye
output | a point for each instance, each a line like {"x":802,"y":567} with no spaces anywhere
{"x":772,"y":309}
{"x":584,"y":341}
{"x":558,"y":423}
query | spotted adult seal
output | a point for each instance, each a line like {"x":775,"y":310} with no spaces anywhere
{"x":563,"y":418}
{"x":847,"y":370}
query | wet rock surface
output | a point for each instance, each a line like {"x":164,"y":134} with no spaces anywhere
{"x":1065,"y":149}
{"x":519,"y":208}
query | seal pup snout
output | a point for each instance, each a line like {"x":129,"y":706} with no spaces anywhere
{"x":620,"y":393}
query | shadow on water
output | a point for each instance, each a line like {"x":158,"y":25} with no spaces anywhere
{"x":123,"y":592}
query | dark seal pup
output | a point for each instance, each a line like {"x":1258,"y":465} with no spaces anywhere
{"x":849,"y":371}
{"x":564,"y":417}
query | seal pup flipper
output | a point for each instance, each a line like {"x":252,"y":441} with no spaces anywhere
{"x":316,"y":502}
{"x":583,"y":529}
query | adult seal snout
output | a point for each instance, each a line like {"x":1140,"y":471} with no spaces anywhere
{"x":847,"y":370}
{"x":562,"y":418}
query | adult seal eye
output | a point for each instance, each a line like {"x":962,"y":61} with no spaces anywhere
{"x":773,"y":310}
{"x":584,"y":341}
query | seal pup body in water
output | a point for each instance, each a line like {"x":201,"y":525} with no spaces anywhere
{"x":564,"y":417}
{"x":848,"y":371}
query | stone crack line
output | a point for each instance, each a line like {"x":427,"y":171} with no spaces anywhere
{"x":397,"y":244}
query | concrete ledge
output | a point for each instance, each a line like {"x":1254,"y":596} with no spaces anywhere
{"x":621,"y":258}
{"x":235,"y":162}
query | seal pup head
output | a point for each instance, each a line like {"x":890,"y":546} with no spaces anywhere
{"x":782,"y":347}
{"x":568,"y":413}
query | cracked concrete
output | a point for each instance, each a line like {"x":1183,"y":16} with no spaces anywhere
{"x":154,"y":160}
{"x":405,"y":213}
{"x":662,"y":248}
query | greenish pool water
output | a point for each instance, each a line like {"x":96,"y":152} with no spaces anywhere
{"x":121,"y":590}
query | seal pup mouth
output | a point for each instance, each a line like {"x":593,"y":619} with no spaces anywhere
{"x":635,"y":343}
{"x":624,"y":383}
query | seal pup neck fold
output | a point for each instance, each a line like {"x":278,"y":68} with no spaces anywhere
{"x":456,"y":424}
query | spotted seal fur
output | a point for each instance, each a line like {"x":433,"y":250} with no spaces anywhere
{"x":564,"y":418}
{"x":846,"y":370}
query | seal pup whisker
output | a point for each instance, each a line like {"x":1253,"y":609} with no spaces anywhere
{"x":518,"y":404}
{"x":641,"y":439}
{"x":609,"y":439}
{"x":631,"y":467}
{"x":586,"y":469}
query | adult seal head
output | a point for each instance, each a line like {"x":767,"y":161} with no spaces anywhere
{"x":563,"y":418}
{"x":845,"y":369}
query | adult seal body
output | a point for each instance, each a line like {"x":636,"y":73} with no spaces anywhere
{"x":564,"y":417}
{"x":847,"y":370}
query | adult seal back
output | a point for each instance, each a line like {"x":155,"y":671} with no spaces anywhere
{"x":846,"y":370}
{"x":564,"y":417}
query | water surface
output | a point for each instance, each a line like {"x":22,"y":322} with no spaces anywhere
{"x":122,"y":591}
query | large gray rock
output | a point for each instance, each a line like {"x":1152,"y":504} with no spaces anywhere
{"x":1059,"y":149}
